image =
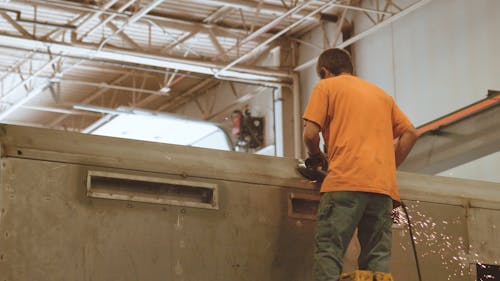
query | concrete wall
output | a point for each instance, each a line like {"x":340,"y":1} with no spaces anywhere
{"x":437,"y":59}
{"x":54,"y":229}
{"x":308,"y":77}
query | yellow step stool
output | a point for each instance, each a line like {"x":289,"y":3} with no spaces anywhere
{"x":383,"y":276}
{"x":357,"y":275}
{"x":364,"y":275}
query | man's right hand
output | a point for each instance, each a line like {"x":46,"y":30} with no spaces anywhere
{"x":317,"y":161}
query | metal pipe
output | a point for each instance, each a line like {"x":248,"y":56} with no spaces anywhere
{"x":269,"y":40}
{"x":297,"y":136}
{"x":89,"y":99}
{"x":279,"y":140}
{"x":59,"y":110}
{"x":365,"y":33}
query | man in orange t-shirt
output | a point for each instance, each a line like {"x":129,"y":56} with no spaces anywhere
{"x":359,"y":123}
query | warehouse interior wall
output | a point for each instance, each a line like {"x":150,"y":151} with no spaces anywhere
{"x":435,"y":60}
{"x":219,"y":102}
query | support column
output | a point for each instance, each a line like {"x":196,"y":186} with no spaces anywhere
{"x":287,"y":111}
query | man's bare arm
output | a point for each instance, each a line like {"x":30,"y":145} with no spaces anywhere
{"x":311,"y":138}
{"x":405,"y":144}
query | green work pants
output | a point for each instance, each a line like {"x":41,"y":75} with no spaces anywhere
{"x":339,"y":213}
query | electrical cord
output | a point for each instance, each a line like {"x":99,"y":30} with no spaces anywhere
{"x":412,"y":238}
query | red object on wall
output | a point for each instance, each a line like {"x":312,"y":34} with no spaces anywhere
{"x":236,"y":120}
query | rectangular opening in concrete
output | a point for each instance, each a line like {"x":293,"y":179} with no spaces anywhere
{"x":487,"y":272}
{"x":155,"y":190}
{"x":303,"y":205}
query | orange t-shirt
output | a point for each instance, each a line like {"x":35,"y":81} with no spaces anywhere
{"x":359,"y":123}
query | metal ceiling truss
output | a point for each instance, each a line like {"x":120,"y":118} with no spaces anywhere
{"x":133,"y":34}
{"x":379,"y":22}
{"x":32,"y":91}
{"x":391,"y":12}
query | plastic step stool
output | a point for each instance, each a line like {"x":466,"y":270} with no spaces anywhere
{"x":364,"y":275}
{"x":357,"y":275}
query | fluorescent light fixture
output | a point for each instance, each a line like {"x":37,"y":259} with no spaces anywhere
{"x":165,"y":90}
{"x":157,"y":127}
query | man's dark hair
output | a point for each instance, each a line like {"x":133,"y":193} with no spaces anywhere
{"x":336,"y":60}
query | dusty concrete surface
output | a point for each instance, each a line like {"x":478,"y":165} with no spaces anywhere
{"x":51,"y":230}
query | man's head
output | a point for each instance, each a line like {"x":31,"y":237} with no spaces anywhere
{"x":333,"y":62}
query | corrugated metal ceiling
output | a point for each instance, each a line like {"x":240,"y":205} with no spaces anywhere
{"x":202,"y":31}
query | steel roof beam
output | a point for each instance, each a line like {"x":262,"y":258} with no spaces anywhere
{"x":180,"y":40}
{"x":104,"y":21}
{"x":124,"y":36}
{"x":367,"y":32}
{"x":136,"y":17}
{"x":170,"y":23}
{"x":295,"y":10}
{"x":251,"y":6}
{"x":112,"y":54}
{"x":95,"y":16}
{"x":15,"y":24}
